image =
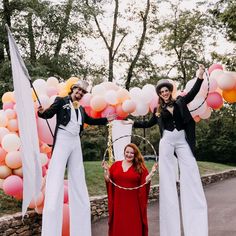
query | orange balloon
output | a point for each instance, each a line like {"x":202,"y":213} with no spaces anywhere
{"x":8,"y":97}
{"x":66,"y":221}
{"x":38,"y":202}
{"x":229,"y":95}
{"x":3,"y":154}
{"x":197,"y":119}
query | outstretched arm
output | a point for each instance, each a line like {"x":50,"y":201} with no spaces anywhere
{"x":146,"y":124}
{"x":51,"y":111}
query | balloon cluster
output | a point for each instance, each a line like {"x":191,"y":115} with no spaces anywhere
{"x":104,"y":99}
{"x":221,"y":86}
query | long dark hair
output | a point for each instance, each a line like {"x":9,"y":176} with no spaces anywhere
{"x":138,"y":160}
{"x":161,"y":103}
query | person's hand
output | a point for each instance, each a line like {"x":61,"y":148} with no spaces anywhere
{"x":111,"y":117}
{"x":154,"y":168}
{"x":127,"y":122}
{"x":201,"y":71}
{"x":105,"y":166}
{"x":40,"y":109}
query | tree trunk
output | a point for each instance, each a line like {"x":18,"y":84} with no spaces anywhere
{"x":63,"y":28}
{"x":31,"y":39}
{"x":140,"y":47}
{"x":6,"y":20}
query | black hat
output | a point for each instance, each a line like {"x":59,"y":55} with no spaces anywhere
{"x":163,"y":83}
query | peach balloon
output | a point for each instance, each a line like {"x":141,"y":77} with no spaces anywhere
{"x":98,"y":103}
{"x":3,"y":119}
{"x":229,"y":95}
{"x":12,"y":125}
{"x":13,"y":159}
{"x":206,"y":114}
{"x":10,"y":113}
{"x":2,"y":156}
{"x":98,"y":90}
{"x":8,"y":97}
{"x":39,"y":209}
{"x":18,"y":172}
{"x":128,"y":106}
{"x":110,"y":86}
{"x":66,"y":221}
{"x":44,"y":159}
{"x":3,"y":132}
{"x":122,"y":95}
{"x":44,"y":131}
{"x":13,"y":185}
{"x":5,"y":171}
{"x":227,"y":81}
{"x":11,"y":142}
{"x":38,"y":202}
{"x":197,"y":119}
{"x":51,"y":91}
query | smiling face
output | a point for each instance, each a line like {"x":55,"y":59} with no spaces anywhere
{"x":77,"y":93}
{"x":129,"y":154}
{"x":165,"y":94}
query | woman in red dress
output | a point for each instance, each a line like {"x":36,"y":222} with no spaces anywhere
{"x":128,"y":208}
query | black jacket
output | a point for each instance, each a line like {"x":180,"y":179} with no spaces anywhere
{"x":61,"y":108}
{"x":189,"y":123}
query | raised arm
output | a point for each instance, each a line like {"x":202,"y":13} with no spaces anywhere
{"x":196,"y":87}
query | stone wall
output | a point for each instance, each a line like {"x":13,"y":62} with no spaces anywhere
{"x":31,"y":225}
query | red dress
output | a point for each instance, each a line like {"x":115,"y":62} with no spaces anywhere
{"x":127,"y":208}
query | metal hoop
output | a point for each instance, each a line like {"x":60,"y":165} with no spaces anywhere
{"x":208,"y":80}
{"x":134,"y":135}
{"x":131,"y":135}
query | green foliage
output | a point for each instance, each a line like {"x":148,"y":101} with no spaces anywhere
{"x":216,"y":137}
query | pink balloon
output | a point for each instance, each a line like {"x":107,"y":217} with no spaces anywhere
{"x":13,"y":159}
{"x":12,"y":125}
{"x":10,"y":113}
{"x":43,"y":130}
{"x":13,"y":185}
{"x":154,"y":103}
{"x":109,"y":110}
{"x":51,"y":91}
{"x":214,"y":100}
{"x":66,"y":198}
{"x":88,"y":110}
{"x":8,"y":105}
{"x":214,"y":67}
{"x":85,"y":101}
{"x":98,"y":103}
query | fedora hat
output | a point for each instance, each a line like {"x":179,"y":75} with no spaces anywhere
{"x":163,"y":83}
{"x":82,"y":84}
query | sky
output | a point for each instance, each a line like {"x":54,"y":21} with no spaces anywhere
{"x":97,"y":51}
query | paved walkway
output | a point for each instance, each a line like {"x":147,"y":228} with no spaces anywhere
{"x":221,"y":199}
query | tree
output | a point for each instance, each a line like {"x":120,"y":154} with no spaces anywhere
{"x":183,"y":39}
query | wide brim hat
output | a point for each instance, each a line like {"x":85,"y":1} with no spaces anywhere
{"x":163,"y":83}
{"x":82,"y":84}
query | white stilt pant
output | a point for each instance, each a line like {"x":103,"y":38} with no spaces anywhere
{"x":67,"y":151}
{"x":193,"y":201}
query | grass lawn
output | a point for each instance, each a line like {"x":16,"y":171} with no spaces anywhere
{"x":96,"y":185}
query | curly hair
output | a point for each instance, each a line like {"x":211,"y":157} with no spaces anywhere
{"x":138,"y":160}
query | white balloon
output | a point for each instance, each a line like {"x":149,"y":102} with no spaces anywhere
{"x":206,"y":114}
{"x":11,"y":142}
{"x":142,"y":109}
{"x":190,"y":84}
{"x":52,"y":82}
{"x":136,"y":94}
{"x":111,"y":97}
{"x":227,"y":81}
{"x":195,"y":104}
{"x":40,"y":86}
{"x":148,"y":93}
{"x":98,"y":90}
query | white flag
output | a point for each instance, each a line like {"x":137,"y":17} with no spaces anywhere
{"x":32,"y":170}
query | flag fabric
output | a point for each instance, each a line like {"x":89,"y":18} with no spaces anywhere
{"x":31,"y":164}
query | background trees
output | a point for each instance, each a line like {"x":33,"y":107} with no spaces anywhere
{"x":123,"y":41}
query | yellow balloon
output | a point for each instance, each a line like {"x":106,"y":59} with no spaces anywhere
{"x":70,"y":82}
{"x":229,"y":95}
